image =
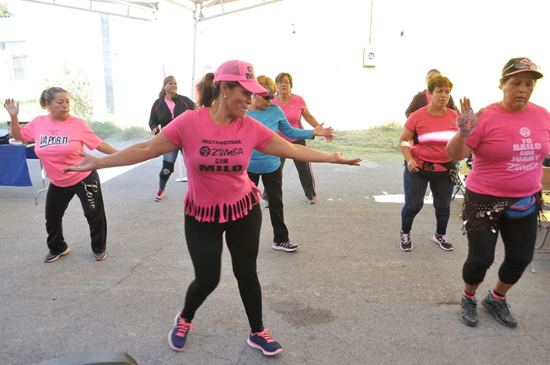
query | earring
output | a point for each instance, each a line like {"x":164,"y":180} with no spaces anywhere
{"x":225,"y":96}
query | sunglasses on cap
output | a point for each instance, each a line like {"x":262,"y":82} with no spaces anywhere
{"x":268,"y":97}
{"x":522,"y":65}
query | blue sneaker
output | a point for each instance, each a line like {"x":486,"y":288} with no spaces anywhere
{"x":263,"y":341}
{"x":178,"y":335}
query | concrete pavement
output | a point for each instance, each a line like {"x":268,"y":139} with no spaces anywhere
{"x":349,"y":295}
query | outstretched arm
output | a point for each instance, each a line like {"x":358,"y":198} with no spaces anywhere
{"x":138,"y":152}
{"x":279,"y":147}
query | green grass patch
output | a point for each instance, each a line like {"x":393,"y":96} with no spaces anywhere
{"x":378,"y":141}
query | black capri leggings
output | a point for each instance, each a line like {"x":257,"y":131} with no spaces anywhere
{"x":205,"y":244}
{"x":518,"y":236}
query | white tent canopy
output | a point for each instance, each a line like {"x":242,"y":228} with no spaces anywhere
{"x":146,"y":10}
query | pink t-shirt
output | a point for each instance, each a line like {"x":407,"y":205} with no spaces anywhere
{"x":58,"y":144}
{"x":293,"y":112}
{"x":171,"y":105}
{"x":216,"y":158}
{"x":509,"y":148}
{"x":433,"y":134}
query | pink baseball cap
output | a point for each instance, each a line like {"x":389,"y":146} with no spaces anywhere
{"x":521,"y":64}
{"x":241,"y":72}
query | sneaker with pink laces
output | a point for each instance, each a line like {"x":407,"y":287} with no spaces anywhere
{"x":159,"y":195}
{"x":263,"y":341}
{"x":178,"y":335}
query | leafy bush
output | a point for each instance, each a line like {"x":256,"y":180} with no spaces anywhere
{"x":105,"y":130}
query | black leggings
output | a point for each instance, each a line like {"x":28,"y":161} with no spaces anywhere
{"x":205,"y":244}
{"x":518,"y":236}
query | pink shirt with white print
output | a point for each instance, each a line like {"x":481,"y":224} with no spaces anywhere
{"x":293,"y":110}
{"x":58,"y":144}
{"x":433,"y":133}
{"x":216,"y":158}
{"x":509,"y":148}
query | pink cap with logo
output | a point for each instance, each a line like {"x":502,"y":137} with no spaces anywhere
{"x":241,"y":72}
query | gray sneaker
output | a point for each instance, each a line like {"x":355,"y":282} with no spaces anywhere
{"x":285,"y":246}
{"x":499,"y":309}
{"x":469,"y":311}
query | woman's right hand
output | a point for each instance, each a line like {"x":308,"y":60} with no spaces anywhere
{"x":155,"y":131}
{"x":411,"y":166}
{"x":89,"y":163}
{"x":11,"y":107}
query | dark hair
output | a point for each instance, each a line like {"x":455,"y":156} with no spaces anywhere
{"x":48,"y":95}
{"x":439,"y":81}
{"x":433,"y":70}
{"x":167,"y":79}
{"x":208,"y":90}
{"x":283,"y":74}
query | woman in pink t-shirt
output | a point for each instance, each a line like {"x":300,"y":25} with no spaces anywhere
{"x":218,"y":140}
{"x":422,"y":143}
{"x":294,"y":107}
{"x":59,"y":137}
{"x":510,"y":140}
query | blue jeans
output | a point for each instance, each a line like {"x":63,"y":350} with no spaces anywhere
{"x":442,"y":191}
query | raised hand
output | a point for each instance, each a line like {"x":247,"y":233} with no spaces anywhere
{"x":467,"y":121}
{"x":11,"y":107}
{"x":465,"y":106}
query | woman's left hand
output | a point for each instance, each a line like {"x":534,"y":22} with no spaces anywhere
{"x":324,"y":132}
{"x":339,"y":158}
{"x":465,"y":106}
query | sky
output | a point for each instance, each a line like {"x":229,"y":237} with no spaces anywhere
{"x":320,"y":43}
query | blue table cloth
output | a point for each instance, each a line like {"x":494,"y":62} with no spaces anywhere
{"x":13,"y":165}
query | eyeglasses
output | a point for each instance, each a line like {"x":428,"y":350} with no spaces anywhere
{"x":268,"y":97}
{"x":522,"y":65}
{"x":284,"y":82}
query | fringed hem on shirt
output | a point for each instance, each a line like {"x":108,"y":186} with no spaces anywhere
{"x":223,"y":211}
{"x":483,"y":211}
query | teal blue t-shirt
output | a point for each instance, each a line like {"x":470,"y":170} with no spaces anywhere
{"x":274,"y":119}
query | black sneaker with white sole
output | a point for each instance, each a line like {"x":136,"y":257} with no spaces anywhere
{"x":406,"y":244}
{"x":51,"y":257}
{"x":285,"y":246}
{"x":443,"y":242}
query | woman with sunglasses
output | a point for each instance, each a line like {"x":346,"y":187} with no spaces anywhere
{"x":269,"y":167}
{"x":509,"y":141}
{"x":218,"y":139}
{"x":294,"y":107}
